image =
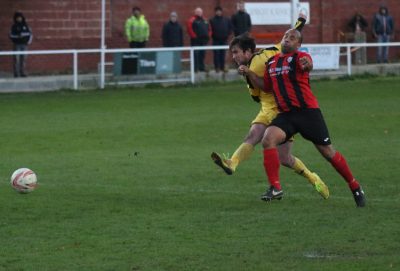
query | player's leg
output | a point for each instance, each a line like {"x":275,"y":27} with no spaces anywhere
{"x":288,"y":160}
{"x":272,"y":138}
{"x":243,"y":152}
{"x":312,"y":126}
{"x":338,"y":161}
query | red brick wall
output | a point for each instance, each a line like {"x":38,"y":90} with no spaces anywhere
{"x":66,"y":24}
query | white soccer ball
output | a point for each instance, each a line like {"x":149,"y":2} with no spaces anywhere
{"x":24,"y":180}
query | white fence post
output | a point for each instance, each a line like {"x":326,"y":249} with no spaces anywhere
{"x":102,"y":68}
{"x":348,"y":60}
{"x":75,"y":69}
{"x":192,"y":74}
{"x":102,"y":44}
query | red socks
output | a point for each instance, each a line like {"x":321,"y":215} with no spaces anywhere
{"x":340,"y":164}
{"x":271,"y":166}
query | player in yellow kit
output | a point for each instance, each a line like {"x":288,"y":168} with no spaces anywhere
{"x":243,"y":53}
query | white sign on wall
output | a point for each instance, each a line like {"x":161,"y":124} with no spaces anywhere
{"x":324,"y":57}
{"x":274,"y":13}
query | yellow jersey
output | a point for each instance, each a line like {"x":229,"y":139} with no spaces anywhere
{"x":269,"y":109}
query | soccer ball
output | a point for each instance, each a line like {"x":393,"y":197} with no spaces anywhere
{"x":24,"y":180}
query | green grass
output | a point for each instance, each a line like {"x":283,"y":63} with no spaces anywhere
{"x":126,"y":182}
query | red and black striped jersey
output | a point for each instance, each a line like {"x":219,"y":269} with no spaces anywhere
{"x":288,"y":82}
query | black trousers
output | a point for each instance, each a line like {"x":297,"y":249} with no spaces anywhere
{"x":199,"y":55}
{"x":219,"y":56}
{"x":137,"y":44}
{"x":19,"y":60}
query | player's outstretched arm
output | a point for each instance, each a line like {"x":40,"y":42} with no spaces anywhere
{"x":301,"y":21}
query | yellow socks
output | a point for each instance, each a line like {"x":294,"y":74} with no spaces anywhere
{"x":302,"y":170}
{"x":242,"y":153}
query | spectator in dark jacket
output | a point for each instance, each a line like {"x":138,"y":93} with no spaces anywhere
{"x":200,"y":32}
{"x":382,"y":29}
{"x":172,"y":33}
{"x":241,"y":20}
{"x":221,"y":29}
{"x":21,"y":36}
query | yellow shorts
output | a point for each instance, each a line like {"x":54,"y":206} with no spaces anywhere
{"x":265,"y":116}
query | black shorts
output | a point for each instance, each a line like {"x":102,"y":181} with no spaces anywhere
{"x":308,"y":122}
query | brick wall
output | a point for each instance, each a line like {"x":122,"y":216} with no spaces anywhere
{"x":66,"y":24}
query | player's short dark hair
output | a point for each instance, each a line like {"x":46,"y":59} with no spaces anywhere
{"x":244,"y":42}
{"x":136,"y":9}
{"x":218,"y":8}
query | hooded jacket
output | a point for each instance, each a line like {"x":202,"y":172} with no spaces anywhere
{"x":20,"y":33}
{"x":137,"y":29}
{"x":382,"y":23}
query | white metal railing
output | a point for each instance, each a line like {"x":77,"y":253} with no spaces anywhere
{"x":75,"y":54}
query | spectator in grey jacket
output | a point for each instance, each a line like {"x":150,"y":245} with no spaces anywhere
{"x":21,"y":36}
{"x":382,"y":29}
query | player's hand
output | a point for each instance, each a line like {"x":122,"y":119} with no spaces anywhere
{"x":303,"y":15}
{"x":243,"y":69}
{"x":305,"y":63}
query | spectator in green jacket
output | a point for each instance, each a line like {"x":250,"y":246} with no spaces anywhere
{"x":137,"y":29}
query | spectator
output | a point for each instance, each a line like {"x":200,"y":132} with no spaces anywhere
{"x":137,"y":29}
{"x":21,"y":36}
{"x":382,"y":29}
{"x":241,"y":20}
{"x":358,"y":25}
{"x":200,"y":32}
{"x":221,"y":29}
{"x":172,"y":33}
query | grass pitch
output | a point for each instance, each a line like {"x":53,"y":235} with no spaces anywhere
{"x":127,"y":183}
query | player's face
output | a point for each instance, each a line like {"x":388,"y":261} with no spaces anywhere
{"x":290,"y":41}
{"x":136,"y":13}
{"x":239,"y":56}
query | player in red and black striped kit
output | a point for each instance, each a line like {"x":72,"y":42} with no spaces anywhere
{"x":287,"y":77}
